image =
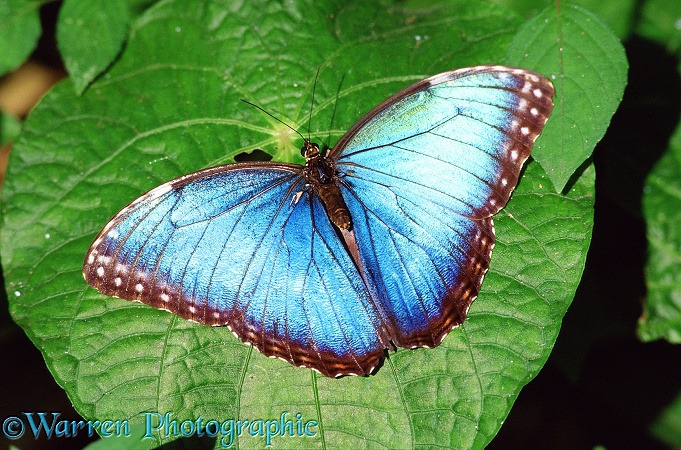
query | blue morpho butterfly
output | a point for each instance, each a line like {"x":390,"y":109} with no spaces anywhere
{"x":381,"y":243}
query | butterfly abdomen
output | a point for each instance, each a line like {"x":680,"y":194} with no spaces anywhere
{"x":335,"y":206}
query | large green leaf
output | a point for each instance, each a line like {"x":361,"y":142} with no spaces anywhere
{"x":590,"y":73}
{"x":617,"y":14}
{"x":170,"y":106}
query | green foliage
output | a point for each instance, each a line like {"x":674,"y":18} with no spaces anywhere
{"x":90,"y":34}
{"x":662,"y":211}
{"x":593,"y":72}
{"x":660,"y":22}
{"x":661,"y":318}
{"x":9,"y":128}
{"x":19,"y":32}
{"x":169,"y":105}
{"x":667,"y":427}
{"x":617,"y":14}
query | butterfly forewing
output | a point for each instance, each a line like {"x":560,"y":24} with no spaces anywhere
{"x":235,"y":246}
{"x":424,"y":172}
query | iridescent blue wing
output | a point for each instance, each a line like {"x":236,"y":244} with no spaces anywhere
{"x":240,"y":245}
{"x":422,"y":174}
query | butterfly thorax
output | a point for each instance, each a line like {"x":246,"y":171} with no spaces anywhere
{"x":321,"y":178}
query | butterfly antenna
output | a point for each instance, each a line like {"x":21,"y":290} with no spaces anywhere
{"x":314,"y":89}
{"x":277,"y":119}
{"x":335,"y":108}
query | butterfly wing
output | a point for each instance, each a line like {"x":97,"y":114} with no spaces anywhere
{"x":240,"y":245}
{"x":423,"y":173}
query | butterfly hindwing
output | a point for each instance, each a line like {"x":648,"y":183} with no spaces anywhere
{"x":423,"y":173}
{"x":242,"y":246}
{"x":427,"y":266}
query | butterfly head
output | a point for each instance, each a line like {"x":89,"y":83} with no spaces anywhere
{"x":310,"y":150}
